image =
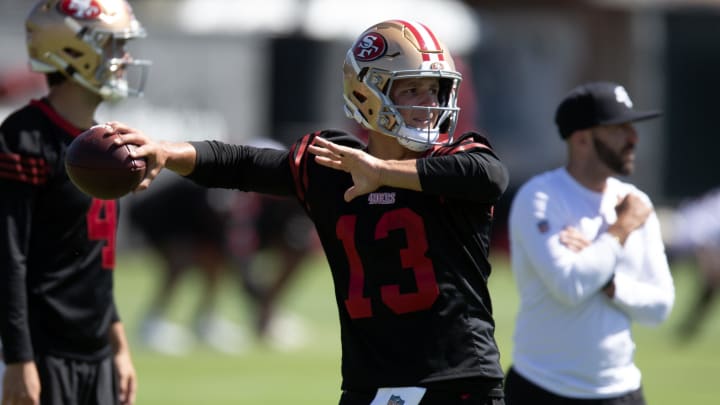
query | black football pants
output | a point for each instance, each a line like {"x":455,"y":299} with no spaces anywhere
{"x":67,"y":381}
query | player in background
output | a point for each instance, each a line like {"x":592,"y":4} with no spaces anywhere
{"x":63,"y":340}
{"x":261,"y":224}
{"x":588,"y":260}
{"x":693,"y":235}
{"x":221,"y":235}
{"x":195,"y":243}
{"x":404,"y":220}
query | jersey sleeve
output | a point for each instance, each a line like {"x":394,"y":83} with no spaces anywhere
{"x":467,"y":169}
{"x":302,"y":162}
{"x":242,"y":167}
{"x":19,"y":162}
{"x":298,"y":160}
{"x":23,"y":169}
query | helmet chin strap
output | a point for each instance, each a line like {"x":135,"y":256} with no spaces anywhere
{"x":413,"y":145}
{"x":412,"y":138}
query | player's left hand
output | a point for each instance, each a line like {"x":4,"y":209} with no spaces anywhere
{"x":364,"y":168}
{"x":127,"y":377}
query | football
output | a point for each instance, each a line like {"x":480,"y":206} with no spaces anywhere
{"x":99,"y":167}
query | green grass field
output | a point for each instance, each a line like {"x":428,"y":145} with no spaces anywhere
{"x":674,"y":373}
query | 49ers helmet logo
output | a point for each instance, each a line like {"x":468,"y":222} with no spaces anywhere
{"x":370,"y":47}
{"x":82,"y":9}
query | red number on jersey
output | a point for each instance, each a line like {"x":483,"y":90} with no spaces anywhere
{"x":412,"y":257}
{"x":102,"y":222}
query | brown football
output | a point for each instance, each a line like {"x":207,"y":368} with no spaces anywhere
{"x":100,"y":168}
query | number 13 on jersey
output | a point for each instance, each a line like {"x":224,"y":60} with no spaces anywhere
{"x":412,"y":258}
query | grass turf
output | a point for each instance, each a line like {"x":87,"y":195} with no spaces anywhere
{"x":673,"y":372}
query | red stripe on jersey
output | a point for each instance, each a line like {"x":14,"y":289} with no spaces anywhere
{"x":295,"y":168}
{"x":414,"y":29}
{"x":298,"y":160}
{"x":56,"y":118}
{"x":24,"y":169}
{"x":463,"y":147}
{"x":305,"y":177}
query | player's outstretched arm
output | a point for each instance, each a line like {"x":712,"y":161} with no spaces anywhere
{"x":176,"y":156}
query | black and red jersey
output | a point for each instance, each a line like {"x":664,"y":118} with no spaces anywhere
{"x":410,"y":268}
{"x":57,"y":245}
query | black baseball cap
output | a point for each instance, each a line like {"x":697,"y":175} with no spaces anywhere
{"x":597,"y":103}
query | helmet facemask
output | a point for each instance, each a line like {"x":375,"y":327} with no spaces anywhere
{"x":121,"y":76}
{"x":440,"y":119}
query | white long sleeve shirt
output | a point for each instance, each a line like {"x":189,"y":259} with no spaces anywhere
{"x":570,"y":338}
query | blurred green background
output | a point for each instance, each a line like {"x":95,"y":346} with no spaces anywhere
{"x":674,"y":372}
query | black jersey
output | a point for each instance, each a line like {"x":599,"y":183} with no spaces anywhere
{"x":57,"y":245}
{"x":410,"y":268}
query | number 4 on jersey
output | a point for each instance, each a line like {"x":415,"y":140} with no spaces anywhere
{"x":102,"y":223}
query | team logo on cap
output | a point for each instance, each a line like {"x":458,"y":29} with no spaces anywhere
{"x":370,"y":47}
{"x":622,"y":96}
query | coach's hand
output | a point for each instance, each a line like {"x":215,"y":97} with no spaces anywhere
{"x":573,"y":239}
{"x":632,"y":212}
